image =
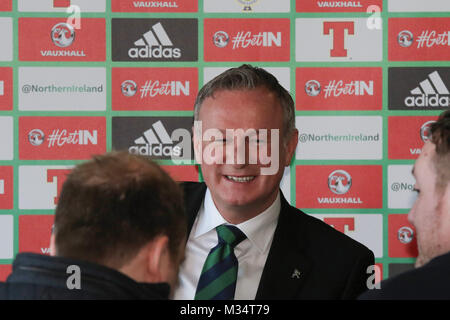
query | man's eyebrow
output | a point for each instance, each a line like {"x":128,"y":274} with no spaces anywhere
{"x":412,"y":171}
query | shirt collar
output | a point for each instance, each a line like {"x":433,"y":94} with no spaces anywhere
{"x":256,"y":229}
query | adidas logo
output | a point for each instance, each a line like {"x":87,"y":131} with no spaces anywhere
{"x":156,"y":142}
{"x":431,"y":92}
{"x":2,"y":88}
{"x":151,"y":45}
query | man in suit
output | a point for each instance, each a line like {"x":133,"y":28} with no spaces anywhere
{"x":430,"y":216}
{"x":246,"y":241}
{"x":119,"y":233}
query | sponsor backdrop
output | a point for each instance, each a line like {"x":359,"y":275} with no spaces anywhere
{"x":81,"y":77}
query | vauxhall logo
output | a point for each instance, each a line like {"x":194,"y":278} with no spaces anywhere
{"x":425,"y":131}
{"x":63,"y":36}
{"x":431,"y":92}
{"x":129,"y":88}
{"x":313,"y":88}
{"x":339,"y":183}
{"x":405,"y":38}
{"x":405,"y":235}
{"x":155,"y":4}
{"x":425,"y":134}
{"x":339,"y":4}
{"x":36,"y":137}
{"x":155,"y":43}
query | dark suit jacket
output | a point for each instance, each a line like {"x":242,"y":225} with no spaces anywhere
{"x":331,"y":264}
{"x":431,"y":281}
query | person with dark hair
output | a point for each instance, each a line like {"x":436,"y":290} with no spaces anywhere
{"x":430,"y":216}
{"x":246,"y":241}
{"x":119,"y":233}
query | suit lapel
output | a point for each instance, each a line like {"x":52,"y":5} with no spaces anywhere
{"x":194,"y":193}
{"x":286,"y":268}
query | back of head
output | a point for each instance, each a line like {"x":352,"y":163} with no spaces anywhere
{"x":113,"y":205}
{"x":440,"y":136}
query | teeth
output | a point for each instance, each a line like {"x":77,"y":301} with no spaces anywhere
{"x":241,"y":179}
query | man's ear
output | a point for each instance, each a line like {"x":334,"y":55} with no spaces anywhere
{"x":157,"y":252}
{"x":52,"y":245}
{"x":446,"y":204}
{"x":197,"y":141}
{"x":291,"y":146}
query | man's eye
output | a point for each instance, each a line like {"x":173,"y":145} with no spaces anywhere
{"x":416,"y":190}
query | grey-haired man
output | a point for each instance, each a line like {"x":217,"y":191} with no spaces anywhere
{"x":267,"y":249}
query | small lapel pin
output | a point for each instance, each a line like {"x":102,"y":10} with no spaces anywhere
{"x":296,"y":274}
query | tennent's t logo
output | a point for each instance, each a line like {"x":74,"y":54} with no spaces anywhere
{"x":340,"y":224}
{"x":339,"y":28}
{"x":61,"y":3}
{"x":60,"y":175}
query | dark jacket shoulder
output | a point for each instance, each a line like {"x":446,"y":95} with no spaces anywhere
{"x":431,"y":281}
{"x":41,"y":277}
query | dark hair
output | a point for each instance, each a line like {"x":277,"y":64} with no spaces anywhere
{"x":249,"y":77}
{"x":440,"y":136}
{"x":114,"y":204}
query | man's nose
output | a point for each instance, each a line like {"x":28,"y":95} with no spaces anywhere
{"x":241,"y":152}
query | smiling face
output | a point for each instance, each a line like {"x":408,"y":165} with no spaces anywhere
{"x":429,"y":214}
{"x":239,"y":190}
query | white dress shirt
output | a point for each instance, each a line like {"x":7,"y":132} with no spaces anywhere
{"x":251,"y":253}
